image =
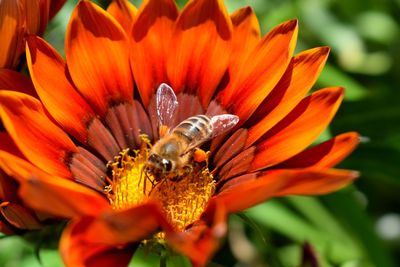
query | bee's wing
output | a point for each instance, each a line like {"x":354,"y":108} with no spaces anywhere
{"x":223,"y":123}
{"x":166,"y":105}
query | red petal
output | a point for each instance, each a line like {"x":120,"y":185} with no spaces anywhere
{"x":92,"y":237}
{"x":265,"y":185}
{"x":38,"y":138}
{"x":298,"y":79}
{"x":97,"y":53}
{"x":15,"y":81}
{"x":124,"y":12}
{"x":8,"y":188}
{"x":8,"y":145}
{"x":264,"y":68}
{"x":48,"y":71}
{"x":55,"y":6}
{"x":151,"y":36}
{"x":231,"y":147}
{"x":299,"y":128}
{"x":201,"y":48}
{"x":324,"y":155}
{"x":19,"y":217}
{"x":51,"y":194}
{"x":76,"y":251}
{"x":202,"y":239}
{"x":125,"y":226}
{"x":5,"y":228}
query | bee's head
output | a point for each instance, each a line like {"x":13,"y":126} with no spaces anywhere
{"x":155,"y":163}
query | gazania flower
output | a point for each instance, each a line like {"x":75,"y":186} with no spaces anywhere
{"x":89,"y":137}
{"x":19,"y":17}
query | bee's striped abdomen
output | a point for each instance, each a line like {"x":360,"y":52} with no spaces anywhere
{"x":195,"y":129}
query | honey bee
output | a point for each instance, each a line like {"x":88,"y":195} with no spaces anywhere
{"x":170,"y":156}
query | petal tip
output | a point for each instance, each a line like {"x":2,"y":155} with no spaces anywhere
{"x":292,"y":24}
{"x":354,"y":174}
{"x":325,"y":49}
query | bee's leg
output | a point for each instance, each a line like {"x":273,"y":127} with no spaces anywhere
{"x":199,"y":155}
{"x":155,"y":185}
{"x":144,"y":182}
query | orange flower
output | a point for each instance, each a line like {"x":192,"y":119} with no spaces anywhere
{"x":89,"y":136}
{"x":18,"y":17}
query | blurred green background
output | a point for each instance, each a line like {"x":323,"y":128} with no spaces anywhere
{"x":358,"y":226}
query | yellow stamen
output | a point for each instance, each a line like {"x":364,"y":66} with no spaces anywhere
{"x":130,"y":185}
{"x":183,"y":198}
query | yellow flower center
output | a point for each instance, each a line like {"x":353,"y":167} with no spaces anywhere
{"x":183,"y":199}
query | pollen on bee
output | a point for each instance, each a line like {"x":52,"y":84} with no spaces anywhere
{"x":162,"y":130}
{"x":200,"y":155}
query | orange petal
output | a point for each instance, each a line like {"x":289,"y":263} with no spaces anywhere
{"x":97,"y":53}
{"x":263,"y":69}
{"x":201,"y":48}
{"x":246,"y":35}
{"x":298,"y":79}
{"x":38,"y":138}
{"x":76,"y":251}
{"x":19,"y":217}
{"x":11,"y":32}
{"x":66,"y":106}
{"x":299,"y":128}
{"x":51,"y":194}
{"x":244,"y":193}
{"x":151,"y":34}
{"x":124,"y":12}
{"x":317,"y":182}
{"x":268,"y":184}
{"x":325,"y":155}
{"x":15,"y":81}
{"x":93,"y":236}
{"x":201,"y":240}
{"x":36,"y":16}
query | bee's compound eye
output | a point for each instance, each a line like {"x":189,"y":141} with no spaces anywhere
{"x":167,"y":165}
{"x":153,"y":158}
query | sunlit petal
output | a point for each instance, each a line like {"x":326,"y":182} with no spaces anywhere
{"x":299,"y":128}
{"x":48,"y":72}
{"x":39,"y":139}
{"x":96,"y":46}
{"x":198,"y":61}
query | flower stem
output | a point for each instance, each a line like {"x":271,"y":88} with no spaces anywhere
{"x":163,"y":259}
